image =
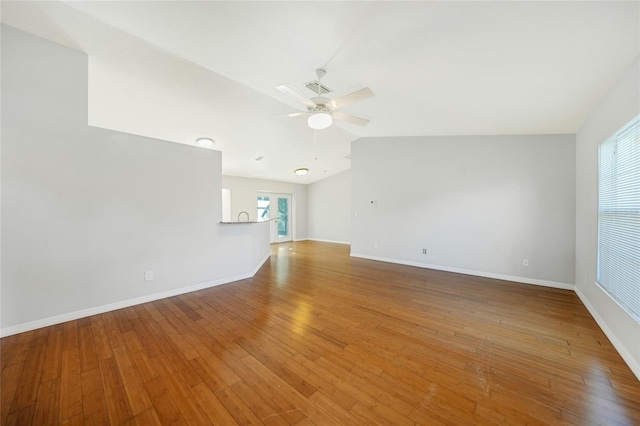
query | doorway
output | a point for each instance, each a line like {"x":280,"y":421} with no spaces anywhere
{"x":277,"y":209}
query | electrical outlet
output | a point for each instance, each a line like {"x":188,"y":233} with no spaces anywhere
{"x":375,"y":245}
{"x":424,"y":251}
{"x":525,"y":262}
{"x":148,"y":275}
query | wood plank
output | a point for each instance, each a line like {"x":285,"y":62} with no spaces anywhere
{"x":70,"y":385}
{"x":215,"y":411}
{"x":70,"y":335}
{"x":76,"y":420}
{"x":114,"y":391}
{"x":236,"y":407}
{"x":101,"y":341}
{"x":94,"y":404}
{"x":46,"y":409}
{"x":179,"y":390}
{"x":148,"y":418}
{"x":289,"y":393}
{"x":14,"y":348}
{"x":132,"y":382}
{"x":258,"y":406}
{"x":139,"y":357}
{"x":113,"y":331}
{"x":10,"y":380}
{"x":27,"y":389}
{"x":86,"y":345}
{"x":23,"y":416}
{"x":264,"y":387}
{"x":165,"y":407}
{"x":53,"y":357}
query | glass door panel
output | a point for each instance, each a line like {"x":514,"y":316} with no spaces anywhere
{"x":277,"y":209}
{"x":283,"y":218}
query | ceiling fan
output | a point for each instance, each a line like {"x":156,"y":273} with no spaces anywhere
{"x":322,"y":111}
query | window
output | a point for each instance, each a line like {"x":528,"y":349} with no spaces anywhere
{"x":619,"y":217}
{"x":263,"y":208}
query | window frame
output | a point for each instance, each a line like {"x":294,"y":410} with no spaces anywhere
{"x":620,"y":203}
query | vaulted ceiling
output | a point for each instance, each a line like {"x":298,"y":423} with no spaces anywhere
{"x":178,"y":70}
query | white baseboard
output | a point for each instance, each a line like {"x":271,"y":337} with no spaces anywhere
{"x":320,"y":240}
{"x":514,"y":278}
{"x":57,"y":319}
{"x":259,"y":265}
{"x":622,"y":350}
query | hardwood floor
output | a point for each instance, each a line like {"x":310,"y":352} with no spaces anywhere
{"x":319,"y":338}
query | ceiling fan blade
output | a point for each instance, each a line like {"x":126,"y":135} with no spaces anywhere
{"x":289,"y":91}
{"x":357,"y":96}
{"x":293,"y":114}
{"x":358,"y":121}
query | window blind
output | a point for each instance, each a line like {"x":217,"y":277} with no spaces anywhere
{"x":619,"y":217}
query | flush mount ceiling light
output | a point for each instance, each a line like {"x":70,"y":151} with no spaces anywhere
{"x":301,"y":171}
{"x":320,"y":120}
{"x":205,"y":142}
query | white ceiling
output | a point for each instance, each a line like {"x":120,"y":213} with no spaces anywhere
{"x":177,"y":70}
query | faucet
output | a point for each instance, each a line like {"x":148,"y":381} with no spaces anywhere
{"x":239,"y":214}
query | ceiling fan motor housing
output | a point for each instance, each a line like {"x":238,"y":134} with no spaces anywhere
{"x":321,"y":105}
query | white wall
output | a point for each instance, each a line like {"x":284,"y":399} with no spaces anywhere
{"x":621,"y":104}
{"x":243,"y":198}
{"x":86,"y":211}
{"x":329,"y":209}
{"x":478,"y":204}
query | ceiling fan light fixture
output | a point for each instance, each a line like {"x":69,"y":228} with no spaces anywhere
{"x":320,"y":120}
{"x":301,"y":171}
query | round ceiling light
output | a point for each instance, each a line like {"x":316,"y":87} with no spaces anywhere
{"x":205,"y":142}
{"x":301,"y":171}
{"x":320,"y":120}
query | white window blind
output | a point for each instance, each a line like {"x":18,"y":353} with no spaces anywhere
{"x":619,"y":217}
